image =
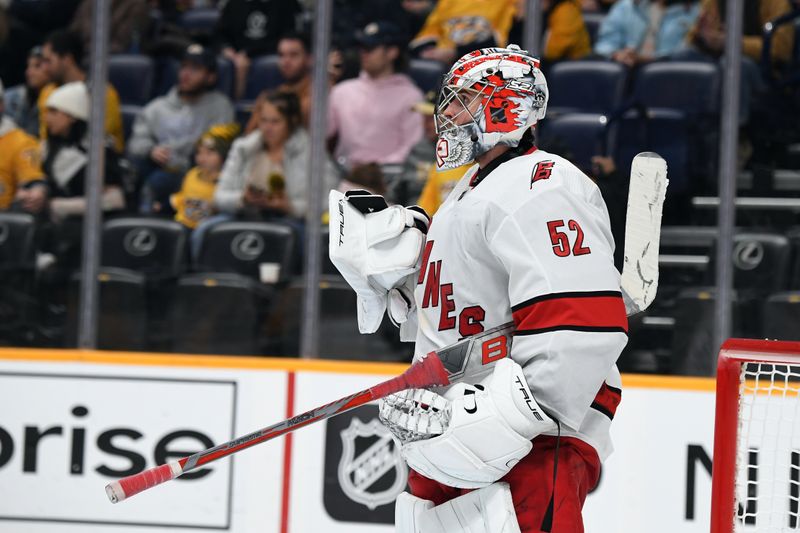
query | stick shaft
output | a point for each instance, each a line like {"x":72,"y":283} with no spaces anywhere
{"x":429,"y":372}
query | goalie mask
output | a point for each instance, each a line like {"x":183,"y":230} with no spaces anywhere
{"x":490,"y":96}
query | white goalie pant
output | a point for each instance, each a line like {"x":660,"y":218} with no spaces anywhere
{"x":486,"y":510}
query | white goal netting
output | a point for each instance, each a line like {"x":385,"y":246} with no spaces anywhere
{"x":768,"y":449}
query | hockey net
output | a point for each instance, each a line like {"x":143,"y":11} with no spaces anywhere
{"x":756,"y":473}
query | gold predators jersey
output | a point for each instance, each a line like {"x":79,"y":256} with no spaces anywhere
{"x":20,"y":161}
{"x":194,"y":202}
{"x":454,"y":23}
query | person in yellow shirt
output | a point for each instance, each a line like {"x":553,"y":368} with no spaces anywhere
{"x":455,"y":27}
{"x":565,"y":34}
{"x":62,"y":53}
{"x":22,"y":182}
{"x":193,"y":203}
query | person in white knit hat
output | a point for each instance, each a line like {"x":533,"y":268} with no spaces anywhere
{"x":65,"y":162}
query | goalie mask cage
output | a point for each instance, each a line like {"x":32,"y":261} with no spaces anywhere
{"x":756,"y":468}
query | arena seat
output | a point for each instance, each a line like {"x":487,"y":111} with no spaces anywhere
{"x":200,"y":21}
{"x":122,"y":321}
{"x":17,"y":246}
{"x":793,"y":234}
{"x":133,"y":76}
{"x":241,"y":247}
{"x":583,"y":135}
{"x":664,"y":131}
{"x":225,"y":306}
{"x":263,"y":75}
{"x":586,"y":86}
{"x":426,"y":73}
{"x":153,"y":247}
{"x":782,"y":316}
{"x":692,"y":87}
{"x":694,"y":349}
{"x":593,"y":22}
{"x":761,"y":262}
{"x":220,"y":313}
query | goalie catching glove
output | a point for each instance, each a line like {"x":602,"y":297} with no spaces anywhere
{"x":474,"y":434}
{"x":377,"y":249}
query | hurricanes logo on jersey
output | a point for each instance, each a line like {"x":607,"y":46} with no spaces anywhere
{"x":541,"y":171}
{"x":469,"y":320}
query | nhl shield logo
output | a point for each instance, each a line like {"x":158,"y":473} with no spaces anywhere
{"x":369,"y":458}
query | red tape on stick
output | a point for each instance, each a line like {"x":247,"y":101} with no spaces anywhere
{"x":128,"y":486}
{"x":429,"y":372}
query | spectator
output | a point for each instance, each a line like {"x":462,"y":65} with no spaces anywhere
{"x":266,"y":173}
{"x":565,"y":34}
{"x":370,"y":117}
{"x":708,"y":33}
{"x":251,"y":28}
{"x":637,"y":31}
{"x":167,"y":129}
{"x":129,"y":22}
{"x":21,"y":101}
{"x":456,"y":27}
{"x":22,"y":181}
{"x":194,"y":202}
{"x":368,"y":177}
{"x":294,"y":64}
{"x":65,"y":162}
{"x":63,"y":58}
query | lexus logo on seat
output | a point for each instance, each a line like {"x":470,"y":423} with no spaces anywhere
{"x":140,"y":242}
{"x":247,"y":246}
{"x":748,"y":255}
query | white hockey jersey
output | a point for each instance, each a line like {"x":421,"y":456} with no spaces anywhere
{"x":531,"y":242}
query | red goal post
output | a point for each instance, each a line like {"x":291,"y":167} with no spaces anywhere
{"x":756,"y":466}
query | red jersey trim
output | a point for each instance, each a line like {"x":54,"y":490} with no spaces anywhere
{"x":607,"y":400}
{"x":600,"y":311}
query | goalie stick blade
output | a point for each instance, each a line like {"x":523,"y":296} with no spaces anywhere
{"x":648,"y":188}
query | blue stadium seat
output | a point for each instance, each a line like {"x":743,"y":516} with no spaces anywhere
{"x":226,"y":76}
{"x":593,"y":22}
{"x":692,"y":87}
{"x":663,"y":131}
{"x":263,"y":75}
{"x":132,"y":76}
{"x":583,"y":135}
{"x":586,"y":86}
{"x":129,"y":114}
{"x":426,"y":73}
{"x":200,"y":20}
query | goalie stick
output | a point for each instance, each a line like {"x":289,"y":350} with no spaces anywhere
{"x":453,"y":363}
{"x":438,"y":368}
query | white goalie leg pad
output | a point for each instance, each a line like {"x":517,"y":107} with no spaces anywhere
{"x":486,"y":510}
{"x":490,"y":430}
